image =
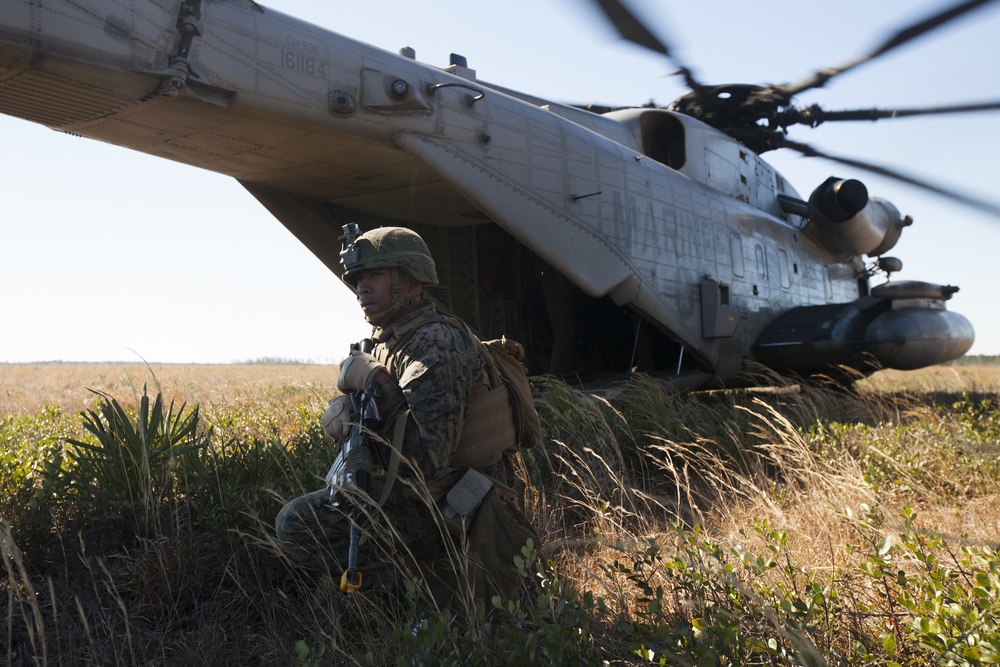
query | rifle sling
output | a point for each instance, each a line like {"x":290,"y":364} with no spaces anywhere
{"x":390,"y":477}
{"x":396,"y":447}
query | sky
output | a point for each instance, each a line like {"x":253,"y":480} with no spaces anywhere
{"x":111,"y":255}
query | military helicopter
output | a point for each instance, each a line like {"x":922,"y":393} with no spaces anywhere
{"x":631,"y":238}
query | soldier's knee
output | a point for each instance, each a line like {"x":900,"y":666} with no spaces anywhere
{"x":282,"y":527}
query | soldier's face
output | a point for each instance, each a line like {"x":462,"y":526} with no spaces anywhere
{"x":375,"y":292}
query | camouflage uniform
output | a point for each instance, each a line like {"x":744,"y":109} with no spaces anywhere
{"x":437,"y":369}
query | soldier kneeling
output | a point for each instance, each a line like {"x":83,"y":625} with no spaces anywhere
{"x":445,"y":433}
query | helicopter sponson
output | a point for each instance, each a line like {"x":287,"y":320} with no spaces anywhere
{"x":901,"y":325}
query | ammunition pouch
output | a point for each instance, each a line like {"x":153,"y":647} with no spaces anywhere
{"x":489,"y":430}
{"x":461,"y":506}
{"x":481,"y":514}
{"x":464,"y":497}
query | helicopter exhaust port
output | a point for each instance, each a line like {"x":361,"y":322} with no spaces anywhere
{"x":847,"y":222}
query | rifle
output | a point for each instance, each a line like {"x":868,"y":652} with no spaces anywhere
{"x":353,"y":467}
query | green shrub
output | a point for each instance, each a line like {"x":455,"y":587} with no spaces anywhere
{"x":936,"y":606}
{"x":31,"y":454}
{"x":137,"y":467}
{"x":130,"y":468}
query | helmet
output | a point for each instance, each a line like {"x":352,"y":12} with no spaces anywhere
{"x":387,"y":247}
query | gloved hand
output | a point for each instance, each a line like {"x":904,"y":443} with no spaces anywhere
{"x":336,"y":420}
{"x":357,"y":371}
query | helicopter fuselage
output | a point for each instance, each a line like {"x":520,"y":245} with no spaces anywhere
{"x":660,"y":235}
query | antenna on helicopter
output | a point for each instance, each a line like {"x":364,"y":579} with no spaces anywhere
{"x":890,"y":265}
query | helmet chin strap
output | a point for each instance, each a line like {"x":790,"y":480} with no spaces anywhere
{"x":399,"y":302}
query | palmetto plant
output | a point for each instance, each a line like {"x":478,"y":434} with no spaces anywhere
{"x":132,"y":465}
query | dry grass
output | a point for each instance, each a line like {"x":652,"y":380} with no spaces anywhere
{"x":983,"y":378}
{"x":648,"y":465}
{"x":825,"y":499}
{"x":24,"y":388}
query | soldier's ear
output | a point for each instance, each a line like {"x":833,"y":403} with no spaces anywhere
{"x":411,"y":286}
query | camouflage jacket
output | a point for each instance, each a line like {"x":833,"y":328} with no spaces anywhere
{"x":436,"y":369}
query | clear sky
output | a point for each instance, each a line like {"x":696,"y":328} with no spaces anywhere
{"x":107,"y":254}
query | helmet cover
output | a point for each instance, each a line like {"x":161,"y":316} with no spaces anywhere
{"x":387,"y":247}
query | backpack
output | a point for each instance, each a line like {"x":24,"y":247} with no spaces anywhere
{"x":506,"y":355}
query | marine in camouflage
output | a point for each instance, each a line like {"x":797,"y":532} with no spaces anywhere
{"x":436,"y":368}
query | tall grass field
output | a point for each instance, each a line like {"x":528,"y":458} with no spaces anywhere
{"x":801,"y":525}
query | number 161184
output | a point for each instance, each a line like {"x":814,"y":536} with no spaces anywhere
{"x":303,"y":63}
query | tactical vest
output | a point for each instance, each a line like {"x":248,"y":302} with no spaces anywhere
{"x":489,"y":429}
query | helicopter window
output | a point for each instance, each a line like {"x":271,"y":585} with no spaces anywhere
{"x":783,"y":267}
{"x":761,"y":260}
{"x":736,"y":250}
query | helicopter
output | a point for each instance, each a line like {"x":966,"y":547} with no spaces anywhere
{"x":527,"y":245}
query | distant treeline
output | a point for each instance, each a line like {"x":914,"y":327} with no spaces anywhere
{"x":977,"y":360}
{"x":275,"y":361}
{"x":259,"y":361}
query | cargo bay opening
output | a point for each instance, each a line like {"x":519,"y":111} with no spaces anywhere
{"x":500,"y":287}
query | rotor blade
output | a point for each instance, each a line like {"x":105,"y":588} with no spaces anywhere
{"x":809,"y":151}
{"x":819,"y":79}
{"x":814,"y":115}
{"x":631,"y":28}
